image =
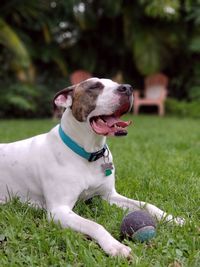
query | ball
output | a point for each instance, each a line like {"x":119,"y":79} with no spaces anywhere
{"x":138,"y":225}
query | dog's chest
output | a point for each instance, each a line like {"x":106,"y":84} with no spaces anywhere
{"x":95,"y":179}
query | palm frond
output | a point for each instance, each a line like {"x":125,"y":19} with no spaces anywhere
{"x":10,"y":39}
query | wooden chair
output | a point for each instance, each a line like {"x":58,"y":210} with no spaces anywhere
{"x":79,"y":76}
{"x":155,"y":93}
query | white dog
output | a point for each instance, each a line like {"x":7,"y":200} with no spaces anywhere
{"x":72,"y":161}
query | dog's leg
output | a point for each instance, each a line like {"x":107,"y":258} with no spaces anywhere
{"x":109,"y":244}
{"x":127,"y":203}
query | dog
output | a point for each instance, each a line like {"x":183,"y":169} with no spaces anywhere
{"x":72,"y":161}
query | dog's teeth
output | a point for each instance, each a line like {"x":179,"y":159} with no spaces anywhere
{"x":101,"y":121}
{"x":118,"y":127}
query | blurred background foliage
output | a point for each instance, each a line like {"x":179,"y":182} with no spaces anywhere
{"x":43,"y":41}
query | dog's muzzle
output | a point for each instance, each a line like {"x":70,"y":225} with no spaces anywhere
{"x":112,"y":125}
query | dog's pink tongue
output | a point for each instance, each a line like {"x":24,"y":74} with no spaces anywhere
{"x":109,"y":125}
{"x":100,"y":127}
{"x":111,"y":121}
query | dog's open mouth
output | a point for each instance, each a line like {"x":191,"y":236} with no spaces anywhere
{"x":110,"y":125}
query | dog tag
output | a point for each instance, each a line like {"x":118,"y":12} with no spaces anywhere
{"x":107,"y":168}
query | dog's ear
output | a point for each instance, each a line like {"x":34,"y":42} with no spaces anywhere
{"x":64,"y":98}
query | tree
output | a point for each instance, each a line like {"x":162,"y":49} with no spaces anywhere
{"x":42,"y":41}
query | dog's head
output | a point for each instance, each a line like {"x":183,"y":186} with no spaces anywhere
{"x":98,"y":102}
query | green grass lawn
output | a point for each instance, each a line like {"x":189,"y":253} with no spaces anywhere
{"x":159,"y":162}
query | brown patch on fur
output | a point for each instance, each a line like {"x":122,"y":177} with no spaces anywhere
{"x":84,"y":99}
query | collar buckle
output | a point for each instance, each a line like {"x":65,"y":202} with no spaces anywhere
{"x":97,"y":155}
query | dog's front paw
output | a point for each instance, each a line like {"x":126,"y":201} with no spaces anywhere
{"x":177,"y":220}
{"x":115,"y":248}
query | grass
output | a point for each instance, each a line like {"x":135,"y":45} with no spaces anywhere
{"x":158,"y":162}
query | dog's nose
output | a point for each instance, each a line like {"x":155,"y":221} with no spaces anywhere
{"x":125,"y":89}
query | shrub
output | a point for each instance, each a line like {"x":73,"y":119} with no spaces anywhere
{"x":24,"y":100}
{"x":183,"y":108}
{"x":194,"y":93}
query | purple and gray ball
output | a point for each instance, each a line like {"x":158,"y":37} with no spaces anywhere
{"x":138,"y":225}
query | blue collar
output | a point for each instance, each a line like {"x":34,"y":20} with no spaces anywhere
{"x":79,"y":150}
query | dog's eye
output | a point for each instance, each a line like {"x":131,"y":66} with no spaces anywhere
{"x":96,"y":85}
